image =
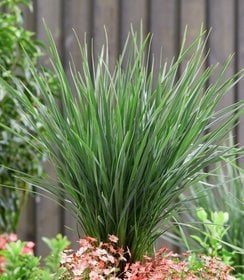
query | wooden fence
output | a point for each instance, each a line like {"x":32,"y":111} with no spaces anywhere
{"x":166,"y":19}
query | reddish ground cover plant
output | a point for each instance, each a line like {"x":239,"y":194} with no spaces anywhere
{"x":103,"y":261}
{"x":93,"y":260}
{"x":8,"y":238}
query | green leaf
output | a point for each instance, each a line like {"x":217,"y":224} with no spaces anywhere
{"x":202,"y":215}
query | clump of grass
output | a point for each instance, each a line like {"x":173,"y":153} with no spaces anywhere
{"x":123,"y":147}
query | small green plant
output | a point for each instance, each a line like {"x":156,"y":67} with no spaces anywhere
{"x":124,"y":148}
{"x":19,"y":265}
{"x":17,"y":260}
{"x":217,"y":224}
{"x":15,"y":151}
{"x":215,"y":228}
{"x":57,"y":246}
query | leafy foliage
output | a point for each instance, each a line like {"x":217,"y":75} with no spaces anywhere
{"x":101,"y":261}
{"x":17,"y":264}
{"x":214,"y":231}
{"x":217,"y":226}
{"x":17,"y":260}
{"x":94,"y":260}
{"x":15,"y":152}
{"x":123,"y":147}
{"x":56,"y":245}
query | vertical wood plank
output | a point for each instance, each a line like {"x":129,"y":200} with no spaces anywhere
{"x":26,"y":226}
{"x":106,"y":14}
{"x":133,"y":12}
{"x":240,"y":65}
{"x":221,"y":41}
{"x":48,"y":214}
{"x":163,"y":25}
{"x":77,"y":17}
{"x":29,"y":18}
{"x":192,"y":16}
{"x":51,"y":14}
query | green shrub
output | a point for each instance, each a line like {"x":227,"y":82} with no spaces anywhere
{"x":15,"y":151}
{"x":17,"y":260}
{"x":124,"y":148}
{"x":57,"y":246}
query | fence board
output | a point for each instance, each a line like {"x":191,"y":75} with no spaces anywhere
{"x":133,"y":12}
{"x":221,"y":41}
{"x":77,"y":14}
{"x":163,"y":25}
{"x":106,"y":15}
{"x":48,"y":215}
{"x":240,"y":65}
{"x":193,"y":16}
{"x":26,"y":227}
{"x":29,"y":18}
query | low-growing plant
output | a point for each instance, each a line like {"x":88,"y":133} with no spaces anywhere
{"x":19,"y":265}
{"x":215,"y":228}
{"x":124,"y":147}
{"x":94,"y":260}
{"x":23,"y":248}
{"x":17,"y":259}
{"x":101,"y":261}
{"x":57,"y":245}
{"x":212,"y":214}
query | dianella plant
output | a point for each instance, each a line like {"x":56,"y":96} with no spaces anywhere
{"x":124,"y":146}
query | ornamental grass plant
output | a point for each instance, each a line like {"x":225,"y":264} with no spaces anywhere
{"x":124,"y":146}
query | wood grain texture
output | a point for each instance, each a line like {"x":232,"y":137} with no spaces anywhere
{"x":77,"y":17}
{"x":240,"y":65}
{"x":221,"y":41}
{"x":192,"y":17}
{"x":163,"y":25}
{"x":133,"y":12}
{"x":48,"y":214}
{"x":26,"y":228}
{"x":106,"y":15}
{"x":51,"y":14}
